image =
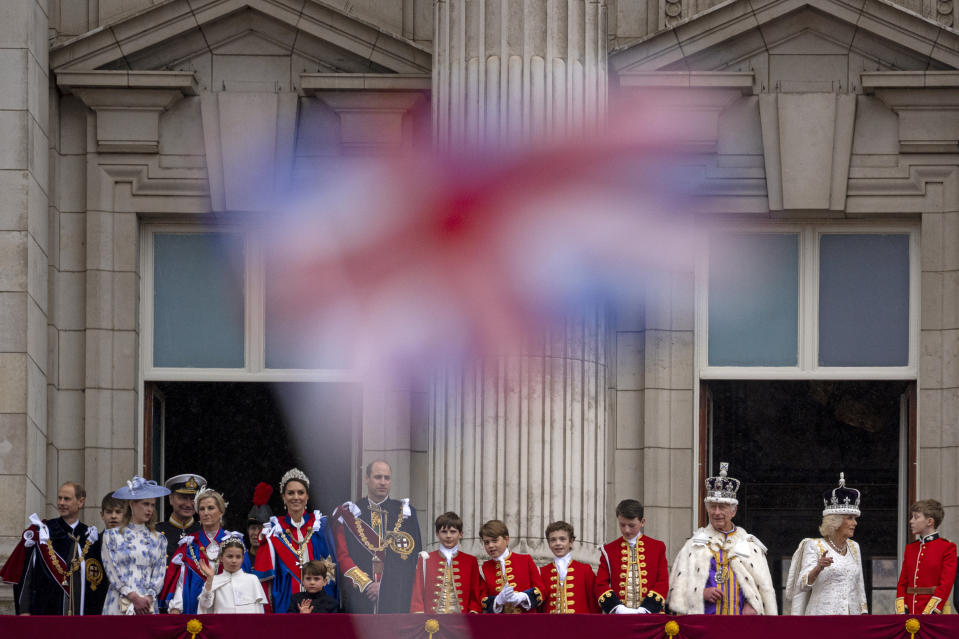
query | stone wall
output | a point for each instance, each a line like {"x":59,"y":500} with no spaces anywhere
{"x":654,"y":417}
{"x":939,"y":371}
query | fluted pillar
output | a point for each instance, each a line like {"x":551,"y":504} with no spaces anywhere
{"x":512,"y":71}
{"x":522,"y":437}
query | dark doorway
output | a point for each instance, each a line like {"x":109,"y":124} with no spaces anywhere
{"x":239,"y":434}
{"x":787,"y":441}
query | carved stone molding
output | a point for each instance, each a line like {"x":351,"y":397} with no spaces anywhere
{"x":128,"y":104}
{"x":927,"y":103}
{"x":376,"y":111}
{"x":807,"y":143}
{"x":688,"y":104}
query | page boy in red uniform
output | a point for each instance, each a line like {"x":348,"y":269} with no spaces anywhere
{"x":569,"y":583}
{"x":928,"y":565}
{"x":512,"y":581}
{"x":632,"y":577}
{"x":447,"y":580}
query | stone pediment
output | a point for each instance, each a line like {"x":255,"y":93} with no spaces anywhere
{"x":180,"y":34}
{"x":796,"y":45}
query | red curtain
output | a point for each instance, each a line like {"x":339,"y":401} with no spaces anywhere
{"x":477,"y":627}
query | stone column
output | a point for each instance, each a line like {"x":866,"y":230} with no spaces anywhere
{"x":510,"y":71}
{"x":522,"y":437}
{"x":24,"y":123}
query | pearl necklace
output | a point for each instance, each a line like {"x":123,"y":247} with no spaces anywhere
{"x":836,"y":548}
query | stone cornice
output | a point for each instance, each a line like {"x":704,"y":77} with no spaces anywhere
{"x":182,"y":81}
{"x":311,"y":83}
{"x":736,"y":80}
{"x":165,"y":21}
{"x":128,"y":104}
{"x":925,"y":39}
{"x":927,"y":103}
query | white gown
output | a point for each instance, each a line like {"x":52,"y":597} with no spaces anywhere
{"x":838,"y":590}
{"x":232,"y":593}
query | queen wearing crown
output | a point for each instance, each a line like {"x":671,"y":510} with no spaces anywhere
{"x":288,"y":542}
{"x":825,"y":576}
{"x":721,"y":569}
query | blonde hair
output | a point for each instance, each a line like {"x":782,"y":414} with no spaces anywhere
{"x":128,"y":514}
{"x":205,"y":494}
{"x":830,"y":524}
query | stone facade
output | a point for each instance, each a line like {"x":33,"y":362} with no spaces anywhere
{"x":117,"y":114}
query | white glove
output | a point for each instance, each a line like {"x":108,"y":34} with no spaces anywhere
{"x":643,"y":611}
{"x":623,"y":610}
{"x":504,"y":597}
{"x":520,"y":599}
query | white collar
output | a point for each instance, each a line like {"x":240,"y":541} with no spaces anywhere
{"x":562,"y":564}
{"x":449,"y":553}
{"x":632,"y":542}
{"x":376,"y":503}
{"x":74,"y":525}
{"x":502,"y":559}
{"x":298,"y":524}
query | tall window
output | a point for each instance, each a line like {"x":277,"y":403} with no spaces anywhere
{"x":809,"y":302}
{"x":209,"y":311}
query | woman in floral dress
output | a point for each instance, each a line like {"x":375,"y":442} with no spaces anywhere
{"x":134,"y":555}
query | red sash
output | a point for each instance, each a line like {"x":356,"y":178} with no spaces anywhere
{"x":278,"y":542}
{"x":349,"y":521}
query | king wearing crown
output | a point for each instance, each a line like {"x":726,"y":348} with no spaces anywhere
{"x":721,"y":569}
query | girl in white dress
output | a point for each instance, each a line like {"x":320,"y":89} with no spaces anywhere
{"x":232,"y":591}
{"x":134,"y":555}
{"x":825,"y":577}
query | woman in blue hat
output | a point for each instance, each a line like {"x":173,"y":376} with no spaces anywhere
{"x":134,"y":555}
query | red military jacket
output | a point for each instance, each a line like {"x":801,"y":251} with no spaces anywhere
{"x":611,"y":576}
{"x":575,"y":595}
{"x":926,"y":579}
{"x":430,"y":575}
{"x":521,"y":574}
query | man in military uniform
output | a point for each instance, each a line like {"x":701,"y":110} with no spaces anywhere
{"x":928,"y":565}
{"x":721,"y":569}
{"x":180,"y":523}
{"x":51,"y":569}
{"x":376,"y":545}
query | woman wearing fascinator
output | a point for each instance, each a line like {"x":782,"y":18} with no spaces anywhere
{"x":134,"y":555}
{"x":290,"y":541}
{"x":198,"y":551}
{"x":825,"y":577}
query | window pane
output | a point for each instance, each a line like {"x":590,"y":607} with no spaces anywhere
{"x":307,"y":336}
{"x":864,"y":300}
{"x":754,"y":300}
{"x":198,"y":300}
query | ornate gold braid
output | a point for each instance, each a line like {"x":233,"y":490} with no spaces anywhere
{"x":302,"y":549}
{"x":74,"y":565}
{"x":366,"y":542}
